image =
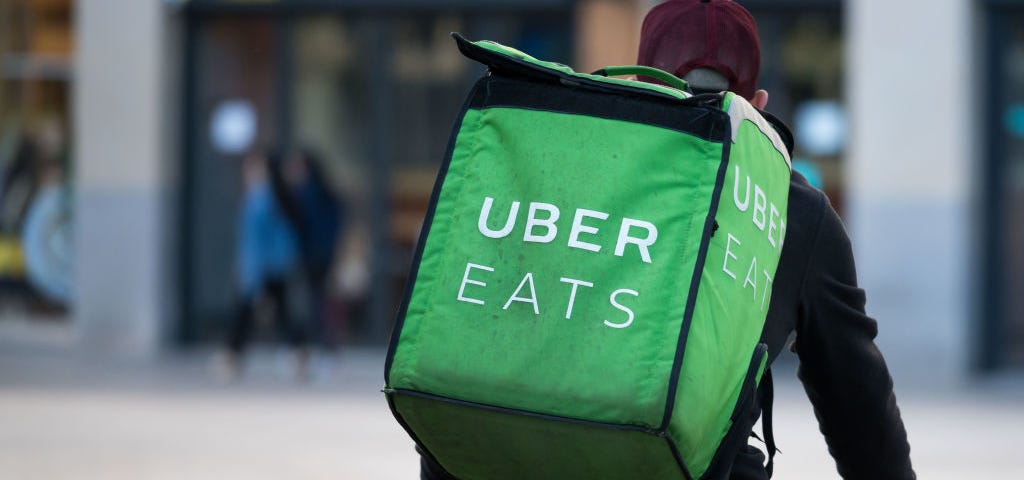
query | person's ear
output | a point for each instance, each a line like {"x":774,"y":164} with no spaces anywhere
{"x":760,"y":99}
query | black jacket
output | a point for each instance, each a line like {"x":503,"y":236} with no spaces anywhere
{"x":815,"y":294}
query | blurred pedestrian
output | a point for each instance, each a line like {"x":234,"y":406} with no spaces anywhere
{"x":318,"y":218}
{"x":268,"y":260}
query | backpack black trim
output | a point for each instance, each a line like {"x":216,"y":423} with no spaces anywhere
{"x":691,"y":301}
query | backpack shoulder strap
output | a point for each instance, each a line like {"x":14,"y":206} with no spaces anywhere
{"x":767,"y":394}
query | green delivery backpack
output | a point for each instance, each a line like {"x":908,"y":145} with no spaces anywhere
{"x":593,"y":277}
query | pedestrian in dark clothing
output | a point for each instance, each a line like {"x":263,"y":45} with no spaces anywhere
{"x":318,"y":217}
{"x":714,"y":45}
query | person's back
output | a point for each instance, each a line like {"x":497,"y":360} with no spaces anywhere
{"x":815,"y":291}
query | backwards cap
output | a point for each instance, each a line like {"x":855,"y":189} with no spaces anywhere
{"x":679,"y":36}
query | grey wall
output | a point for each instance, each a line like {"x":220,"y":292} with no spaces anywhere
{"x":125,"y":150}
{"x":911,"y":175}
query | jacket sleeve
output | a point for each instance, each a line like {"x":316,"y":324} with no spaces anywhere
{"x":841,"y":368}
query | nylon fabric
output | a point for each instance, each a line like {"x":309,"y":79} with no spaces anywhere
{"x":526,"y":354}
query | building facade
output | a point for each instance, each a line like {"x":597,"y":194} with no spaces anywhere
{"x":921,"y":155}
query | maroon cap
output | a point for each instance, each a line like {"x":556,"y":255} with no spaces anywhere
{"x":681,"y":35}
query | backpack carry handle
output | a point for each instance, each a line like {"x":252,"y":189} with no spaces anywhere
{"x":621,"y":70}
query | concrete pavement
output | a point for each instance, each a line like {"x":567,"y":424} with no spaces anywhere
{"x":78,"y":416}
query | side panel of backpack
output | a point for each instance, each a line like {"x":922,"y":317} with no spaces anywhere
{"x":723,"y":361}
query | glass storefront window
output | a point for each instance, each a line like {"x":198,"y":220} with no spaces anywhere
{"x":36,"y":48}
{"x":1004,"y":346}
{"x":802,"y":69}
{"x":235,"y":66}
{"x":373,"y":97}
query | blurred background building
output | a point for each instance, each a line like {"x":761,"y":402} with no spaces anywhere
{"x":123,"y":124}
